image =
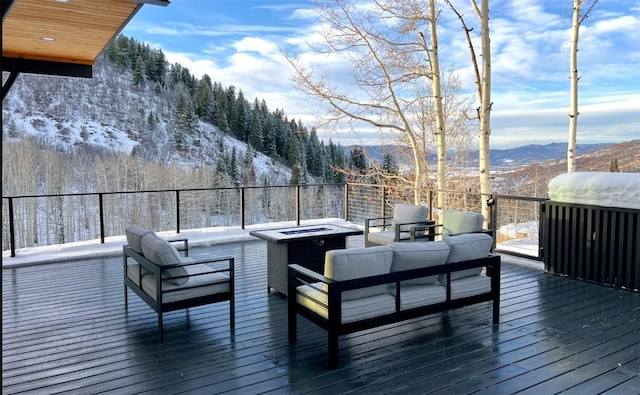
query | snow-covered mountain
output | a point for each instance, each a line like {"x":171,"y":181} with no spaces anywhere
{"x":106,"y":113}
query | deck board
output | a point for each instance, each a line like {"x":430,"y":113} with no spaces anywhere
{"x":64,"y":329}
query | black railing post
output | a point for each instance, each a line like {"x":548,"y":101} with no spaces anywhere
{"x":542,"y":229}
{"x":242,"y":208}
{"x":101,"y":210}
{"x":384,"y":206}
{"x":177,"y":211}
{"x":492,"y":202}
{"x":298,"y":205}
{"x":12,"y":235}
{"x":346,"y":201}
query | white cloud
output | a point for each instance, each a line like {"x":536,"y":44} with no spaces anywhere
{"x":629,"y":24}
{"x":264,"y":47}
{"x":530,"y":61}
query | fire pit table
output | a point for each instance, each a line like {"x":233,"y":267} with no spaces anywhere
{"x":303,"y":245}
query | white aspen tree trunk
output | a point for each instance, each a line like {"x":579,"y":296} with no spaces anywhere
{"x":417,"y":183}
{"x":440,"y":124}
{"x":573,"y":69}
{"x":485,"y":111}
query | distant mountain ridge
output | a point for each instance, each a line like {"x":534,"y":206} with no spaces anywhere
{"x":510,"y":157}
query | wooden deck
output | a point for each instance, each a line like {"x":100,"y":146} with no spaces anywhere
{"x":64,"y":329}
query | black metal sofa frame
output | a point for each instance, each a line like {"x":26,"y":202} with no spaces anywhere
{"x":298,"y":275}
{"x":156,"y":304}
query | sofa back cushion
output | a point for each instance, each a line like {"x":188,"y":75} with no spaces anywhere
{"x":134,"y":235}
{"x":407,"y":256}
{"x":407,"y":213}
{"x":467,"y":247}
{"x":348,"y":264}
{"x":461,"y":222}
{"x":161,"y":252}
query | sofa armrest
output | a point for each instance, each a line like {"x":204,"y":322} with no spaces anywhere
{"x":295,"y":269}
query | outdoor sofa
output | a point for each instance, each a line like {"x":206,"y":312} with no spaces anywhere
{"x":363,"y":288}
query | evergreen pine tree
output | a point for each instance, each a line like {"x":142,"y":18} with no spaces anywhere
{"x":314,"y":155}
{"x":204,"y":94}
{"x":231,"y":111}
{"x":139,"y":75}
{"x":389,"y":164}
{"x":238,"y":128}
{"x":151,"y":120}
{"x":234,"y":168}
{"x":335,"y":163}
{"x":357,"y":160}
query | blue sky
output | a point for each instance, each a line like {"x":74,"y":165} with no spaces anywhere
{"x":236,"y":42}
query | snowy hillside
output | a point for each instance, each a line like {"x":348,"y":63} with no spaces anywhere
{"x":105,"y":113}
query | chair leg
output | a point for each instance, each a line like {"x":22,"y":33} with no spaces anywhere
{"x":293,"y":326}
{"x":333,"y":350}
{"x":126,"y":299}
{"x":232,"y":314}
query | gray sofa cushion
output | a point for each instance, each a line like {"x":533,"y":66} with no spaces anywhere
{"x":134,"y":235}
{"x":360,"y":262}
{"x":386,"y":237}
{"x":461,"y":222}
{"x":420,"y":295}
{"x":407,"y":256}
{"x":200,"y":283}
{"x":407,"y":213}
{"x":161,"y":252}
{"x":315,"y":300}
{"x":467,"y":247}
{"x":470,"y":286}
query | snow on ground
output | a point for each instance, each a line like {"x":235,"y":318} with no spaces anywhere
{"x":201,"y":238}
{"x":526,"y":229}
{"x":113,"y":245}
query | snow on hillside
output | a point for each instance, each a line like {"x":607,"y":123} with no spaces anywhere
{"x":107,"y":113}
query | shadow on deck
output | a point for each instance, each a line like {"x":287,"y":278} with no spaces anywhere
{"x":64,"y":328}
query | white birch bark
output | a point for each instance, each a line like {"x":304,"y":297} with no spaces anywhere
{"x":483,"y":81}
{"x":573,"y":76}
{"x":434,"y":61}
{"x":484,"y":161}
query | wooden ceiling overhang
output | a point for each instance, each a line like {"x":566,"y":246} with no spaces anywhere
{"x":60,"y":37}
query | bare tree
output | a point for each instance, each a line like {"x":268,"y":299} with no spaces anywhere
{"x":386,"y":64}
{"x":578,"y":18}
{"x":434,"y":63}
{"x":483,"y":81}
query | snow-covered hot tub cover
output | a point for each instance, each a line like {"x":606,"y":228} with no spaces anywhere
{"x":597,"y":188}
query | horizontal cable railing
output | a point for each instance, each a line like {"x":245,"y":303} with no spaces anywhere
{"x":40,"y":220}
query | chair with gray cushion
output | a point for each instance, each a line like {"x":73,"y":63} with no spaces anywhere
{"x":396,"y":228}
{"x":167,"y":280}
{"x":456,"y":222}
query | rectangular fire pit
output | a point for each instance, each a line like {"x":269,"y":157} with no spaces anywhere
{"x":302,"y":245}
